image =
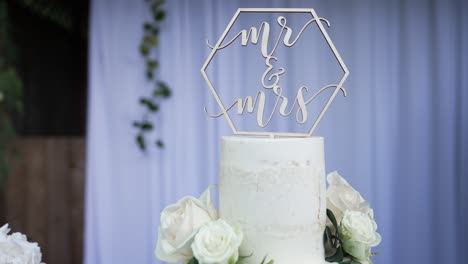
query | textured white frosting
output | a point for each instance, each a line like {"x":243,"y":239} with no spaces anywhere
{"x":274,"y":189}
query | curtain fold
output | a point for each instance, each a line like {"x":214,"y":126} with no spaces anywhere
{"x":400,"y":137}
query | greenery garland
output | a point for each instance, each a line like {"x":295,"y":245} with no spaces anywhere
{"x":148,"y":45}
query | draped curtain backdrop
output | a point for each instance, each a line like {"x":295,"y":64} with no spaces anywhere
{"x":400,"y":137}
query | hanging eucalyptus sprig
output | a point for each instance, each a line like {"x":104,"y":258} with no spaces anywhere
{"x":150,"y":103}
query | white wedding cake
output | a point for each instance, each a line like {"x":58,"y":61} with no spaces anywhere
{"x":273,"y":200}
{"x":274,"y":189}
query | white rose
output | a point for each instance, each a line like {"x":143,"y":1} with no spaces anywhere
{"x":358,"y":232}
{"x":16,"y":249}
{"x":179,"y":224}
{"x":341,"y":197}
{"x":217,"y":243}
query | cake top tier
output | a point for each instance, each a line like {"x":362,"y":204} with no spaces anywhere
{"x":254,"y":152}
{"x":285,"y":97}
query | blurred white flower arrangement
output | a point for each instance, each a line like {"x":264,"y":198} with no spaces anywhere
{"x":16,"y":249}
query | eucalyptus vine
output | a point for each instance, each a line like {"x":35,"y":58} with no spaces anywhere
{"x":160,"y":91}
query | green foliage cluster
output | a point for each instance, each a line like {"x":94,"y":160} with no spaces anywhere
{"x":333,"y":241}
{"x":148,"y":45}
{"x":10,"y":90}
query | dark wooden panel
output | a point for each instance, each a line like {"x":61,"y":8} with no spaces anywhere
{"x":36,"y":189}
{"x":77,"y":184}
{"x":45,"y":196}
{"x":16,"y":191}
{"x":58,"y":178}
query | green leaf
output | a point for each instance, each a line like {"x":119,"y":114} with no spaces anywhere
{"x":147,"y":127}
{"x":159,"y":144}
{"x":141,"y":142}
{"x":144,"y":126}
{"x":159,"y":15}
{"x":150,"y":74}
{"x":269,"y":262}
{"x":148,"y":27}
{"x":152,"y":64}
{"x":162,"y":90}
{"x":193,"y":261}
{"x":332,"y":218}
{"x":151,"y":40}
{"x":337,"y":257}
{"x":149,"y":104}
{"x":11,"y":89}
{"x":328,"y":235}
{"x":144,"y":50}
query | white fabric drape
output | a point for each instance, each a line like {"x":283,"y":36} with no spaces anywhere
{"x":400,"y":137}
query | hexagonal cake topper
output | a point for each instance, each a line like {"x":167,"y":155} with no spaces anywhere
{"x":262,"y":33}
